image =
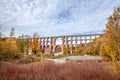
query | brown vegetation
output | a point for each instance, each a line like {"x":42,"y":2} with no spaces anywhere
{"x":52,"y":71}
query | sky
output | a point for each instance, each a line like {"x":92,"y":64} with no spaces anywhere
{"x":55,"y":17}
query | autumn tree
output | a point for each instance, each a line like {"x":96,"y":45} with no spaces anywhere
{"x":97,"y":44}
{"x":0,"y":32}
{"x":80,"y":49}
{"x":89,"y":49}
{"x":8,"y":47}
{"x":23,"y":44}
{"x":111,"y":43}
{"x":35,"y":43}
{"x":66,"y":50}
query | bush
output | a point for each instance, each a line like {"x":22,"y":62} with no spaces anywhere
{"x":40,"y":56}
{"x":28,"y":59}
{"x":48,"y":55}
{"x":18,"y":55}
{"x":8,"y":49}
{"x":52,"y":71}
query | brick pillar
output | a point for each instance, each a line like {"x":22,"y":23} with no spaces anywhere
{"x":76,"y":44}
{"x":95,"y":36}
{"x":37,"y":39}
{"x":29,"y":42}
{"x":71,"y":45}
{"x":76,"y":41}
{"x":43,"y":43}
{"x":80,"y":39}
{"x":63,"y":39}
{"x":66,"y":41}
{"x":85,"y":40}
{"x":40,"y":42}
{"x":51,"y":44}
{"x":90,"y":38}
{"x":54,"y":43}
{"x":51,"y":41}
{"x":46,"y":42}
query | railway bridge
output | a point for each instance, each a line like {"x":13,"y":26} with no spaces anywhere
{"x":49,"y":44}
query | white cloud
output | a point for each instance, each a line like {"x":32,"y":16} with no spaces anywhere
{"x":55,"y":17}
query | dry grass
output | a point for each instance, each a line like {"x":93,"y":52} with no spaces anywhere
{"x":52,"y":71}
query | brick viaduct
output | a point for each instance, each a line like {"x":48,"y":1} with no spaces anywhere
{"x":49,"y":44}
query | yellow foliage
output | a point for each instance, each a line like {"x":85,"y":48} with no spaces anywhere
{"x":102,"y":50}
{"x":11,"y":43}
{"x":35,"y":45}
{"x":8,"y":49}
{"x":111,"y":40}
{"x":66,"y":50}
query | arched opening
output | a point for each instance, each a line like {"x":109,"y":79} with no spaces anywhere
{"x":58,"y":47}
{"x":58,"y":41}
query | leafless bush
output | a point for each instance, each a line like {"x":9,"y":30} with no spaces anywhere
{"x":53,"y":71}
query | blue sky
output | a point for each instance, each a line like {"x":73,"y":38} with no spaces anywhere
{"x":55,"y":17}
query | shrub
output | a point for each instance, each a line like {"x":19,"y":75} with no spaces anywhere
{"x":28,"y":59}
{"x":52,"y":71}
{"x":8,"y":49}
{"x":40,"y":56}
